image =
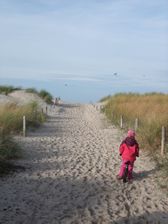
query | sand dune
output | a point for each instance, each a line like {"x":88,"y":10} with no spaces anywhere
{"x":71,"y":163}
{"x":21,"y":97}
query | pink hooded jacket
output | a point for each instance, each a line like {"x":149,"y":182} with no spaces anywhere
{"x":129,"y":149}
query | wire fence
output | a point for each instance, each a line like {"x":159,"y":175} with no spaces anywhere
{"x":136,"y":124}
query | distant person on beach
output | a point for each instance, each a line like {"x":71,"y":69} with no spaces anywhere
{"x":56,"y":101}
{"x":129,"y":150}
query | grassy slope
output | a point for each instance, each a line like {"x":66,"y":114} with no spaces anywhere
{"x":151,"y":110}
{"x":11,"y":122}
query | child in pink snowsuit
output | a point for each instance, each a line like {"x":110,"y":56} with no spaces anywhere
{"x":129,"y":150}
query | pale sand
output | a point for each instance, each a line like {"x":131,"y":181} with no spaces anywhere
{"x":21,"y":97}
{"x":70,"y":177}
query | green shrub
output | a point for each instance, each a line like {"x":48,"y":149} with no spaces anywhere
{"x":46,"y":96}
{"x":8,"y":89}
{"x":105,"y":98}
{"x":31,"y":90}
{"x":9,"y":149}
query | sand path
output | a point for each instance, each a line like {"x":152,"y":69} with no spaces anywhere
{"x":71,"y":164}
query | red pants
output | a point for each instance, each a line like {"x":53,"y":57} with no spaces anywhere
{"x":130,"y":169}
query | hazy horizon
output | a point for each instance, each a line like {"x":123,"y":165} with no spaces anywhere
{"x":88,"y":91}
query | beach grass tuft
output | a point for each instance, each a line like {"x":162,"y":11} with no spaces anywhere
{"x":11,"y":122}
{"x":151,"y":111}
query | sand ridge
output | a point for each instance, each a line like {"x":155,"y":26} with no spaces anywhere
{"x":70,"y":178}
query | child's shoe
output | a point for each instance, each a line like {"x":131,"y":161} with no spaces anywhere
{"x":118,"y":177}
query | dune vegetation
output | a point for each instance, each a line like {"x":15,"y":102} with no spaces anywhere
{"x":45,"y":95}
{"x":11,"y":117}
{"x":8,"y":89}
{"x":11,"y":123}
{"x":151,"y":110}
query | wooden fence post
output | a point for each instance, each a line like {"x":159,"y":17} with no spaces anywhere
{"x":121,"y":122}
{"x":136,"y":124}
{"x":163,"y":141}
{"x":24,"y":126}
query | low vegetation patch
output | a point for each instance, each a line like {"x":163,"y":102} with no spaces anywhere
{"x":11,"y":122}
{"x":9,"y":149}
{"x":8,"y":89}
{"x":31,"y":90}
{"x":151,"y":110}
{"x":7,"y":167}
{"x":106,"y":98}
{"x":11,"y":117}
{"x":46,"y":96}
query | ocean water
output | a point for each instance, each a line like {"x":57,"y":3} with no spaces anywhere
{"x":68,"y":90}
{"x":86,"y":91}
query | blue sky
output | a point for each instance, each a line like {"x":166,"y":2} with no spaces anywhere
{"x":83,"y":43}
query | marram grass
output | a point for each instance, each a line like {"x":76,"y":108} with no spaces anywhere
{"x":151,"y":111}
{"x":11,"y":117}
{"x":11,"y":121}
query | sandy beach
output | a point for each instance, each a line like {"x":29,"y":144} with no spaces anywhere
{"x":71,"y":164}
